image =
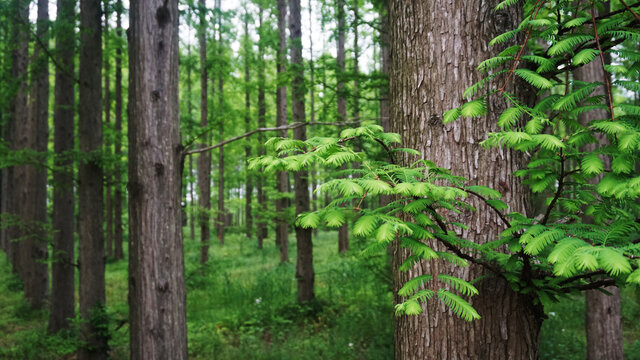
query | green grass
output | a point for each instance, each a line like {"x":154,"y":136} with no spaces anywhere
{"x":242,"y":305}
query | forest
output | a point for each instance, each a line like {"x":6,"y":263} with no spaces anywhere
{"x":320,"y":179}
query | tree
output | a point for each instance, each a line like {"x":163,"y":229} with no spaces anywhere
{"x":62,"y":268}
{"x":156,"y":267}
{"x":304,"y":262}
{"x":512,"y":324}
{"x":204,"y":159}
{"x":222,"y":217}
{"x":343,"y":231}
{"x":90,"y":186}
{"x":247,"y":124}
{"x":262,"y":111}
{"x":282,"y":177}
{"x":117,"y":179}
{"x":109,"y":216}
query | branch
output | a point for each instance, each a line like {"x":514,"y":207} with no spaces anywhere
{"x":583,"y":276}
{"x":558,"y":192}
{"x":628,"y":7}
{"x":500,"y":214}
{"x":602,"y":63}
{"x":259,"y":130}
{"x":590,"y":286}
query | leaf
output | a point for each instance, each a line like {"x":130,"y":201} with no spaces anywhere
{"x":340,"y":158}
{"x":474,"y":108}
{"x":365,"y":225}
{"x":613,"y":262}
{"x":451,"y":115}
{"x":548,"y":141}
{"x":412,"y":285}
{"x":486,"y":192}
{"x":334,"y":218}
{"x":458,"y":305}
{"x":540,"y":242}
{"x":592,"y":164}
{"x":634,"y":277}
{"x":565,"y":45}
{"x":509,"y":117}
{"x":458,"y":284}
{"x":309,"y":220}
{"x":376,"y":187}
{"x":349,"y":188}
{"x":386,"y":232}
{"x":585,"y":56}
{"x":535,"y":79}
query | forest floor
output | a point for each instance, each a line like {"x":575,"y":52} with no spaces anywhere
{"x":242,"y":306}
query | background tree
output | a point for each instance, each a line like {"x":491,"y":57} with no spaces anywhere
{"x":282,"y":177}
{"x":204,"y":159}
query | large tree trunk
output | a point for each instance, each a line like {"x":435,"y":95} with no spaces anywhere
{"x":117,"y":179}
{"x":204,"y":159}
{"x":304,"y":263}
{"x":156,"y":267}
{"x":247,"y":127}
{"x":603,"y":323}
{"x":282,"y":178}
{"x":90,"y":189}
{"x":435,"y":47}
{"x":62,"y":269}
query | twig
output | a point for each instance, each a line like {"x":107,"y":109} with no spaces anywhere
{"x":524,"y":44}
{"x":500,"y":214}
{"x":583,"y":276}
{"x":558,"y":192}
{"x":590,"y":286}
{"x":258,"y":130}
{"x":628,"y":7}
{"x":604,"y":71}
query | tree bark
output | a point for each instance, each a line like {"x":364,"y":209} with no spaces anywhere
{"x":156,"y":267}
{"x":433,"y":61}
{"x":62,"y":306}
{"x":117,"y":180}
{"x":603,"y":323}
{"x":262,"y":112}
{"x":343,"y":230}
{"x":204,"y":159}
{"x":304,"y":263}
{"x":90,"y":189}
{"x":247,"y":126}
{"x":282,"y":178}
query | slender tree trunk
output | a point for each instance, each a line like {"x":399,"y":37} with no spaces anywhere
{"x":262,"y":112}
{"x":603,"y":323}
{"x":204,"y":159}
{"x":156,"y":267}
{"x":343,"y":230}
{"x":304,"y":264}
{"x":422,"y":87}
{"x":282,"y":178}
{"x":190,"y":184}
{"x":34,"y":201}
{"x":385,"y":60}
{"x":247,"y":126}
{"x":62,"y":305}
{"x":16,"y":139}
{"x":312,"y":98}
{"x":90,"y":189}
{"x":222,"y":215}
{"x":107,"y":124}
{"x":117,"y":180}
{"x":356,"y":66}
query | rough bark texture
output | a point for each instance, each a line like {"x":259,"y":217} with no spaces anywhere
{"x":282,"y":178}
{"x":90,"y":188}
{"x":117,"y":179}
{"x":247,"y":127}
{"x":603,"y":323}
{"x":62,"y":269}
{"x":436,"y":47}
{"x":204,"y":159}
{"x":343,"y":230}
{"x":157,"y":294}
{"x":304,"y":263}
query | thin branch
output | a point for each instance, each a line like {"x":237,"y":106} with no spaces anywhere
{"x":583,"y":276}
{"x":602,"y":63}
{"x":524,"y":45}
{"x":498,"y":212}
{"x":628,"y":7}
{"x":258,"y":130}
{"x":558,"y":192}
{"x":590,"y":286}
